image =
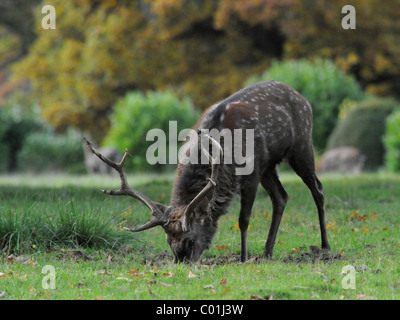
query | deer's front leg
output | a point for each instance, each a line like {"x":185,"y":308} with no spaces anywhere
{"x":279,"y":197}
{"x":246,"y":204}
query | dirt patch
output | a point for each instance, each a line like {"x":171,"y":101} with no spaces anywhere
{"x":76,"y":255}
{"x":220,"y":260}
{"x":315,"y":254}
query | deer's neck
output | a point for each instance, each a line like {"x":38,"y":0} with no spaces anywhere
{"x":191,"y":179}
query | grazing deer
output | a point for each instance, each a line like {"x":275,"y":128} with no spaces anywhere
{"x":282,"y":122}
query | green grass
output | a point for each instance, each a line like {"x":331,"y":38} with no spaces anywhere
{"x":66,"y":222}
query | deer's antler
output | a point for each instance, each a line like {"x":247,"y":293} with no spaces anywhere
{"x":211,"y":180}
{"x":157,"y":209}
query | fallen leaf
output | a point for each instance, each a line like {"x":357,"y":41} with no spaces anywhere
{"x":356,"y":216}
{"x":209,"y":287}
{"x":9,"y":259}
{"x":191,"y":275}
{"x":132,"y":272}
{"x":223,"y":247}
{"x":163,"y":284}
{"x":332,"y":226}
{"x":102,"y":271}
{"x":223,"y":282}
{"x":126,"y":279}
{"x":226,"y":291}
{"x":236,"y":227}
{"x":167,"y":274}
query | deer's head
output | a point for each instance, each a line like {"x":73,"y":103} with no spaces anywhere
{"x":189,"y":228}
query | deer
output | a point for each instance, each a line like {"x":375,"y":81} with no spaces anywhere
{"x":281,"y":120}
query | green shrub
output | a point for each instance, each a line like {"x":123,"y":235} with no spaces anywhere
{"x":322,"y":84}
{"x":52,"y":219}
{"x":137,"y":113}
{"x":363,"y":128}
{"x":392,"y":142}
{"x":16,"y":123}
{"x":48,"y":151}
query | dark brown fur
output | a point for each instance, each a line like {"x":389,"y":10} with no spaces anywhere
{"x":282,"y":120}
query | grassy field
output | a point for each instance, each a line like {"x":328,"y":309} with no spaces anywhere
{"x":66,"y":223}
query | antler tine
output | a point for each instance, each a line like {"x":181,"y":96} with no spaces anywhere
{"x":127,"y":190}
{"x":213,"y":161}
{"x":211,"y":180}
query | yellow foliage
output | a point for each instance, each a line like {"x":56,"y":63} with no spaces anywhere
{"x":206,"y":49}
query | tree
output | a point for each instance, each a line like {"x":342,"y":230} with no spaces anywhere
{"x":101,"y":49}
{"x":205,"y":49}
{"x":371,"y":52}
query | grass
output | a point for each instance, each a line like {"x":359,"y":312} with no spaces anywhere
{"x":67,"y":223}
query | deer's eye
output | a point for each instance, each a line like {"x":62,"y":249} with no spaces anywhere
{"x":192,"y":242}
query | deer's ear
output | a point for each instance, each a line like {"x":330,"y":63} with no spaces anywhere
{"x":201,"y":211}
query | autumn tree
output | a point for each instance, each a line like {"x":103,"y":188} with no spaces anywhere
{"x":205,"y":49}
{"x":371,"y":52}
{"x":101,"y":49}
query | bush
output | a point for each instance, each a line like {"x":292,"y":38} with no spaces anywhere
{"x":48,"y":151}
{"x":136,"y":114}
{"x":16,"y":124}
{"x":392,"y":142}
{"x":322,"y":84}
{"x":363,"y":128}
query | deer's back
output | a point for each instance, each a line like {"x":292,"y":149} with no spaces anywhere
{"x":280,"y":117}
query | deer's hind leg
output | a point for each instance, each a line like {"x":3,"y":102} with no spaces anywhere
{"x":303,"y":164}
{"x":247,"y":197}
